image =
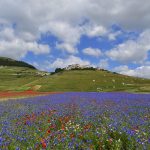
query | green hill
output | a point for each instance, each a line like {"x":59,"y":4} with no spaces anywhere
{"x":4,"y":61}
{"x":90,"y":80}
{"x":13,"y":78}
{"x":24,"y":78}
{"x":20,"y":79}
{"x":16,"y":75}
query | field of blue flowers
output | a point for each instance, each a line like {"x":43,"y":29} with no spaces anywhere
{"x":82,"y":121}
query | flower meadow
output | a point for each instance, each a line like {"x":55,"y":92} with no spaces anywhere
{"x":76,"y":121}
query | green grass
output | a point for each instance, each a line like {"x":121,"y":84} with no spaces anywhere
{"x":16,"y":78}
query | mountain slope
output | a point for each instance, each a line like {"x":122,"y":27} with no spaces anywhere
{"x":4,"y":61}
{"x":13,"y":78}
{"x":90,"y":80}
{"x":18,"y":78}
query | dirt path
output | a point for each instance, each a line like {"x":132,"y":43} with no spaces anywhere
{"x":13,"y":94}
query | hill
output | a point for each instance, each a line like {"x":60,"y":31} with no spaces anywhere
{"x":65,"y":80}
{"x":92,"y":80}
{"x":4,"y":61}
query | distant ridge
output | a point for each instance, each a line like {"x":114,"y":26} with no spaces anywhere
{"x":4,"y":61}
{"x":78,"y":67}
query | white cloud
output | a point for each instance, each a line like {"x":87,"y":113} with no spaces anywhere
{"x":60,"y":63}
{"x":142,"y":71}
{"x":132,"y":51}
{"x":65,"y":19}
{"x":12,"y":45}
{"x":7,"y":34}
{"x":106,"y":12}
{"x":63,"y":31}
{"x":122,"y":69}
{"x":103,"y":63}
{"x":69,"y":35}
{"x":112,"y":36}
{"x":92,"y":52}
{"x":15,"y":47}
{"x":67,"y":47}
{"x":95,"y":30}
{"x":18,"y":48}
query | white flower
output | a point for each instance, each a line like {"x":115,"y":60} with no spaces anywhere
{"x":113,"y":80}
{"x":123,"y":83}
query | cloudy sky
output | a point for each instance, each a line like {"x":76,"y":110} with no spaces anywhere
{"x":111,"y":34}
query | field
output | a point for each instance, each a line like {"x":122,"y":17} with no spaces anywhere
{"x":92,"y":81}
{"x":40,"y":111}
{"x":22,"y":79}
{"x":76,"y":120}
{"x":13,"y":95}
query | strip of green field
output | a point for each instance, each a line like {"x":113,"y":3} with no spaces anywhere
{"x":92,"y":81}
{"x":13,"y":78}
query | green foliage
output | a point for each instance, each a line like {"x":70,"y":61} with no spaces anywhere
{"x":10,"y":62}
{"x":89,"y":68}
{"x":57,"y":70}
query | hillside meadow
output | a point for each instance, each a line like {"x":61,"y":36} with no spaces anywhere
{"x":22,"y":79}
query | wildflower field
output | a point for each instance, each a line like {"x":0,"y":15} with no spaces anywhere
{"x":76,"y":120}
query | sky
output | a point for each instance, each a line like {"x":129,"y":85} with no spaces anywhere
{"x":49,"y":34}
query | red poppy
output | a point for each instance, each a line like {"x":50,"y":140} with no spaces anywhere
{"x":44,"y":145}
{"x":49,"y":131}
{"x":52,"y":126}
{"x":62,"y":127}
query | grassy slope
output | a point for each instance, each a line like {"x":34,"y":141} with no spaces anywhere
{"x":10,"y":79}
{"x":83,"y":81}
{"x":14,"y":78}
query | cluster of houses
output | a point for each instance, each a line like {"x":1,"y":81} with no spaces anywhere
{"x":77,"y":66}
{"x":42,"y":74}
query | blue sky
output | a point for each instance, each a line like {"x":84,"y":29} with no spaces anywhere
{"x":102,"y":43}
{"x":108,"y":34}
